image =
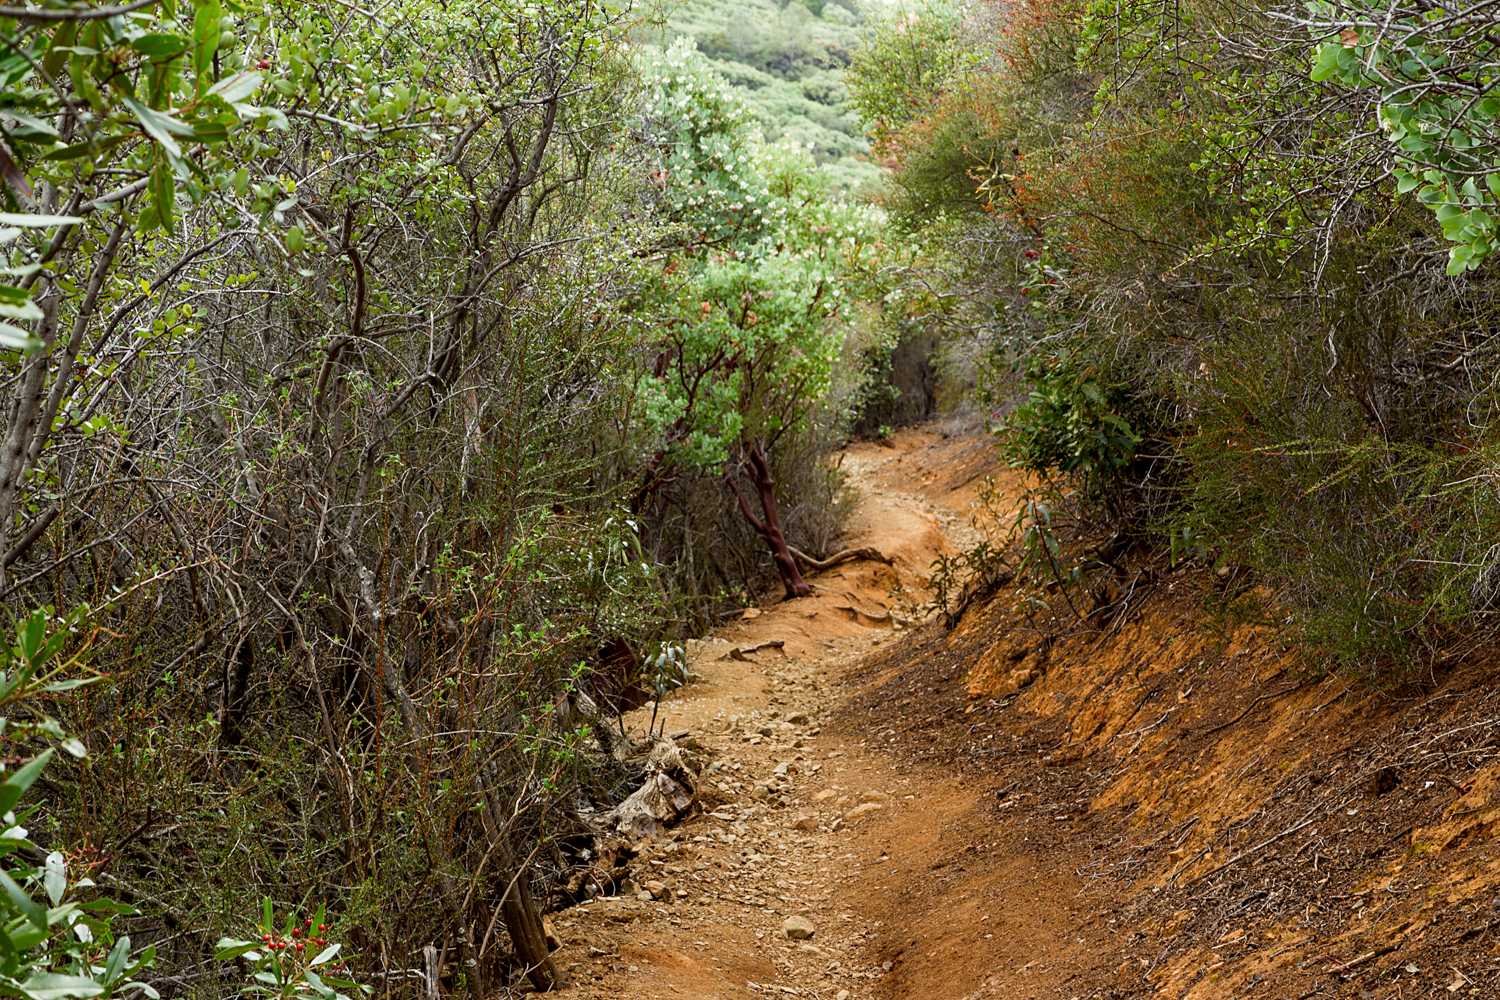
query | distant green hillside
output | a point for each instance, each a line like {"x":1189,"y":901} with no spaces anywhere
{"x":787,"y":60}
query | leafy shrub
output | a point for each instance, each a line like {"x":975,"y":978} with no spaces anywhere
{"x":291,"y":961}
{"x":1069,"y":424}
{"x":67,"y":946}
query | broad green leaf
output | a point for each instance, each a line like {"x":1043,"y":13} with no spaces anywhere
{"x":57,"y":51}
{"x":55,"y":877}
{"x":74,"y":152}
{"x":144,"y":959}
{"x":27,"y":937}
{"x":53,"y":986}
{"x":159,"y":125}
{"x":57,"y":687}
{"x":211,"y":131}
{"x":312,"y":980}
{"x":23,"y":778}
{"x":160,"y":47}
{"x":148,"y":220}
{"x":326,"y":954}
{"x":235,"y":89}
{"x":205,"y":41}
{"x":82,"y":149}
{"x":32,"y":635}
{"x":116,"y":962}
{"x":32,"y":121}
{"x":232,"y":948}
{"x":62,"y":913}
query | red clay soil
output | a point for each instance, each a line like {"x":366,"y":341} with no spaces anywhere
{"x":1158,"y":804}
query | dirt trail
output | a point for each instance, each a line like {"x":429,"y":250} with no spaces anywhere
{"x":1157,"y":800}
{"x":807,"y":816}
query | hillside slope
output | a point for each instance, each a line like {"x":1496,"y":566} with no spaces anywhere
{"x":786,"y":60}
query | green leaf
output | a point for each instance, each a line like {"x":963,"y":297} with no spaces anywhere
{"x":1326,"y":64}
{"x":237,"y":88}
{"x":267,"y":915}
{"x":326,"y":954}
{"x":228,"y":948}
{"x":74,"y":152}
{"x":211,"y":131}
{"x":159,"y":125}
{"x":325,"y":992}
{"x":116,"y":963}
{"x":53,"y":986}
{"x":148,"y":220}
{"x":55,"y":877}
{"x":32,"y":910}
{"x":31,"y":120}
{"x":160,"y":47}
{"x":163,"y":189}
{"x":23,"y":779}
{"x":27,"y":937}
{"x":33,"y":634}
{"x":38,"y":221}
{"x":15,"y":303}
{"x":58,"y":687}
{"x":57,"y":51}
{"x":205,"y":42}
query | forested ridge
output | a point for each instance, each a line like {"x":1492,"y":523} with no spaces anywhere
{"x":393,"y":391}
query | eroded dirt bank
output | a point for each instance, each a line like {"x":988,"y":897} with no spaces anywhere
{"x":1150,"y":806}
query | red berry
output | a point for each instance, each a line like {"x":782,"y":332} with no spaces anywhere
{"x":263,"y":64}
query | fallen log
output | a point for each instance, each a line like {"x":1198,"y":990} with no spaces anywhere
{"x":847,"y":555}
{"x":742,"y":654}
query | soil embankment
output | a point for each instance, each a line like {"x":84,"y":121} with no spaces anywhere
{"x":1154,"y":802}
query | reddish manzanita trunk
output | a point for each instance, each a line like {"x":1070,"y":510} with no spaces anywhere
{"x":769,"y":529}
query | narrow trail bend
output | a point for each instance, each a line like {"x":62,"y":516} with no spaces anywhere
{"x":813,"y":812}
{"x":1154,"y":802}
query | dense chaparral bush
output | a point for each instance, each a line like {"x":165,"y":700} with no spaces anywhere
{"x":1194,"y":278}
{"x":334,"y":348}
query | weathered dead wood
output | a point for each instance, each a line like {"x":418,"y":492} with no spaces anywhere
{"x":843,"y":556}
{"x":740,"y":654}
{"x":666,"y":794}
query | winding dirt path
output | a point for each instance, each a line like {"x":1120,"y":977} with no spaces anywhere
{"x":809,"y":813}
{"x":1156,"y":802}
